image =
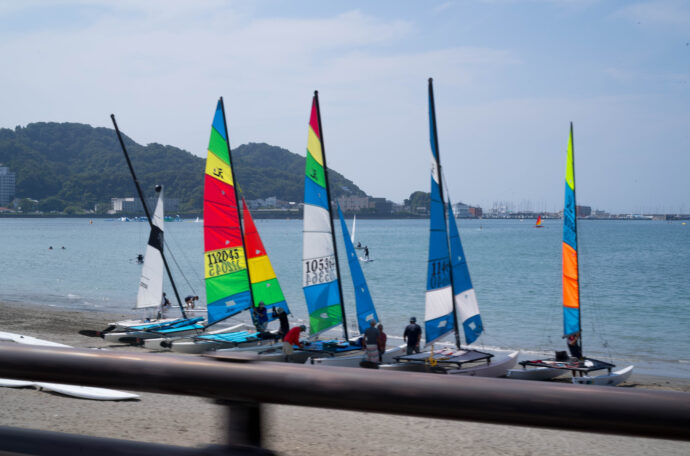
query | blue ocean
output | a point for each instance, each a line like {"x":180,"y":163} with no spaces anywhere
{"x":634,"y":277}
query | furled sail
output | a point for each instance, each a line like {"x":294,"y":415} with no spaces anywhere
{"x":465,"y":298}
{"x":227,"y":279}
{"x":363,"y":302}
{"x":265,"y":285}
{"x":571,"y":287}
{"x":151,"y":282}
{"x":320,"y":279}
{"x":439,"y":317}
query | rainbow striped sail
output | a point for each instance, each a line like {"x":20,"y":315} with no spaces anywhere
{"x":465,"y":297}
{"x":571,"y":287}
{"x":439,"y":318}
{"x":320,"y":278}
{"x":225,"y":265}
{"x":265,"y":286}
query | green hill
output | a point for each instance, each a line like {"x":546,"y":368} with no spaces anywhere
{"x":70,"y":164}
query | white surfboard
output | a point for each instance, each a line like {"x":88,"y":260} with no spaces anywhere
{"x":83,"y":392}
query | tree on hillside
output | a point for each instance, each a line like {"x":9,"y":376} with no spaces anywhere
{"x":418,"y":202}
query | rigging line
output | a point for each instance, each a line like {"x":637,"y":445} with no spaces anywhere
{"x":186,"y":258}
{"x":179,"y":268}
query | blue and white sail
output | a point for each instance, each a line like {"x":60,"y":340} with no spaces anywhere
{"x":363,"y":302}
{"x":439,"y":318}
{"x":465,"y":298}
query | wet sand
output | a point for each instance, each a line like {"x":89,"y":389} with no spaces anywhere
{"x":190,"y":421}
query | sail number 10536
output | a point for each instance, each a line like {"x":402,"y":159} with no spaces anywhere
{"x":319,"y":270}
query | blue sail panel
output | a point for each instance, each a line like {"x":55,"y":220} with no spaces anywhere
{"x":227,"y":307}
{"x":363,"y":302}
{"x":465,"y":297}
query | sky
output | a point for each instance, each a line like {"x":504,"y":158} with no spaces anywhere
{"x":509,"y":77}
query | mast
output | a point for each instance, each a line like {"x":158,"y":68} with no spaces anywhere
{"x":330,"y":215}
{"x":432,"y":111}
{"x":577,"y":254}
{"x":146,"y":211}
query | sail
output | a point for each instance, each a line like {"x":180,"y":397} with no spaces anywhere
{"x":439,"y":319}
{"x":265,"y":286}
{"x":320,"y":279}
{"x":225,"y":265}
{"x":151,"y":282}
{"x":538,"y":221}
{"x":365,"y":306}
{"x":465,"y":298}
{"x":571,"y":287}
{"x":354,"y":227}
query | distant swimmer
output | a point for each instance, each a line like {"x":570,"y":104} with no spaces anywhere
{"x":140,"y":258}
{"x":63,"y":247}
{"x":50,"y":248}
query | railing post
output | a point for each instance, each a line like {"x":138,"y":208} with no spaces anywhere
{"x":244,"y":423}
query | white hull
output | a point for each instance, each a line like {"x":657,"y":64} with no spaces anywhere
{"x":612,"y":379}
{"x":84,"y":392}
{"x":114,"y":337}
{"x":535,"y":373}
{"x":125,"y":325}
{"x":354,"y":360}
{"x":161,"y":343}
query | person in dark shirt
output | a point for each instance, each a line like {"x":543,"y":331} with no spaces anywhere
{"x":279,"y":313}
{"x":371,"y":342}
{"x":412,"y":335}
{"x":260,"y":317}
{"x":383,"y":338}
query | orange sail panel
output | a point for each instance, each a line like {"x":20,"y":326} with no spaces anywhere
{"x":225,"y":264}
{"x":571,"y":291}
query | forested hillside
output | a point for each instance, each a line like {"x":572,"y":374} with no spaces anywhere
{"x":79,"y":166}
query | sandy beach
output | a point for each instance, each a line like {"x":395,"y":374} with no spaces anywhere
{"x":190,"y":421}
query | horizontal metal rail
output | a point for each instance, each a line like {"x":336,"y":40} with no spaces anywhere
{"x":624,"y":411}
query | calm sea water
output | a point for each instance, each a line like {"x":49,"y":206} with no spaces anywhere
{"x":635,"y":277}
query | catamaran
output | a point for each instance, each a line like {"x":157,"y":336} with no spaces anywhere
{"x":580,"y":366}
{"x":539,"y":224}
{"x":449,"y":291}
{"x":238,"y":273}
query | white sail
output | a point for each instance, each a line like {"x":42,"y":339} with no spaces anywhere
{"x":151,"y":282}
{"x":354,"y":221}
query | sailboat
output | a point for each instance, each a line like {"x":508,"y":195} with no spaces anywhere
{"x":238,"y":273}
{"x":538,"y":224}
{"x":545,"y":369}
{"x":449,"y":290}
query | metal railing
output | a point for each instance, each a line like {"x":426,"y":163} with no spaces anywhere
{"x":243,"y":384}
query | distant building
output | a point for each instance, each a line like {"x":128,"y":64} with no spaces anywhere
{"x":133,"y":205}
{"x":7,"y":185}
{"x":476,"y":212}
{"x":354,"y":203}
{"x":583,"y":211}
{"x":461,"y":210}
{"x":382,"y":206}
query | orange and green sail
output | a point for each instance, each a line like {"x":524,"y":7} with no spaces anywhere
{"x":264,"y":284}
{"x":571,"y":286}
{"x":228,"y":289}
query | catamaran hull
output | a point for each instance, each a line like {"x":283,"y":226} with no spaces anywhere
{"x":195,"y":347}
{"x":165,"y":343}
{"x":612,"y":379}
{"x":536,"y":373}
{"x":355,"y":360}
{"x":116,"y":337}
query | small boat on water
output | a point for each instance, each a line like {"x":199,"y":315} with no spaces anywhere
{"x":539,"y":223}
{"x":449,"y":291}
{"x":580,"y":366}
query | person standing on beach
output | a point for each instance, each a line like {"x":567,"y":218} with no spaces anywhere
{"x":164,"y":306}
{"x":260,"y":317}
{"x":290,"y":340}
{"x":574,"y":345}
{"x":279,"y":313}
{"x":383,"y":338}
{"x":371,"y":342}
{"x":412,"y":335}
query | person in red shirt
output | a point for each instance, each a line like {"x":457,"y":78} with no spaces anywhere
{"x":291,"y":339}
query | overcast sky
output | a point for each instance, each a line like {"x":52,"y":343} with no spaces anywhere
{"x":509,"y":76}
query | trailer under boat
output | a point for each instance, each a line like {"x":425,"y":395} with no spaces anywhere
{"x":580,"y":369}
{"x":454,"y":362}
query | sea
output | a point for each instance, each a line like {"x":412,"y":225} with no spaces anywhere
{"x":634,"y":277}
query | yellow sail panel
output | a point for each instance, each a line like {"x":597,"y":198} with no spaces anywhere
{"x":224,"y":261}
{"x":217,"y":168}
{"x":314,"y":146}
